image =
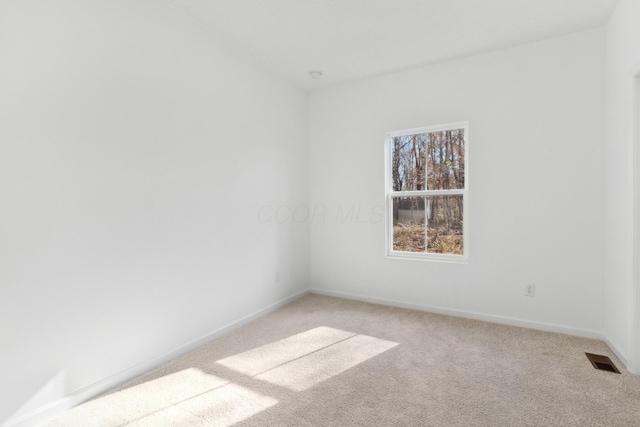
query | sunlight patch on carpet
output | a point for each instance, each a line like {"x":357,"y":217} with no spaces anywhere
{"x":169,"y":417}
{"x":310,"y":370}
{"x":197,"y":398}
{"x":227,"y":405}
{"x":188,"y":397}
{"x":306,"y":359}
{"x":140,"y":403}
{"x":269,"y":356}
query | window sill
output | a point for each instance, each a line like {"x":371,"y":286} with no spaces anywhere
{"x":413,"y":256}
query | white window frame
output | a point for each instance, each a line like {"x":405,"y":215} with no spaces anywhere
{"x":390,"y":195}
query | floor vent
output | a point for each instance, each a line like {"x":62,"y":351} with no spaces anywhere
{"x":602,"y":362}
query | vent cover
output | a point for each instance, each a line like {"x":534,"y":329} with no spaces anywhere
{"x":602,"y":363}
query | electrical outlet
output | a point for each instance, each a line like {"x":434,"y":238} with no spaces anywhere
{"x":277,"y":277}
{"x":530,"y":290}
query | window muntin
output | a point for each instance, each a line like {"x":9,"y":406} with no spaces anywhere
{"x":427,"y":203}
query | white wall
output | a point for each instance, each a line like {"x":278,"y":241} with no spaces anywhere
{"x":135,"y":154}
{"x":622,"y":59}
{"x":535,"y":117}
{"x":148,"y":175}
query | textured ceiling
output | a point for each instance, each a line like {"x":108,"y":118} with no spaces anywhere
{"x":354,"y":39}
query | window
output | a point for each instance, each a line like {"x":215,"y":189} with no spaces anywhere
{"x":426,"y":192}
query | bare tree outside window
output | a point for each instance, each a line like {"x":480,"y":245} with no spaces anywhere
{"x":428,"y":184}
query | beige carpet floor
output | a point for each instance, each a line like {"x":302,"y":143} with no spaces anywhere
{"x":323,"y":361}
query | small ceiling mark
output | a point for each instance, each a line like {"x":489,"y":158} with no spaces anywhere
{"x":315,"y":74}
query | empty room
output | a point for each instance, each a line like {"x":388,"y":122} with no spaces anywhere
{"x":319,"y":213}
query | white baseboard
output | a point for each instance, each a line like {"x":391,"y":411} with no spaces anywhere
{"x":621,"y":355}
{"x":616,"y":350}
{"x":487,"y":318}
{"x":43,"y":413}
{"x":467,"y":314}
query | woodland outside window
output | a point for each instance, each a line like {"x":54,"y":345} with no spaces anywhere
{"x":426,"y":193}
